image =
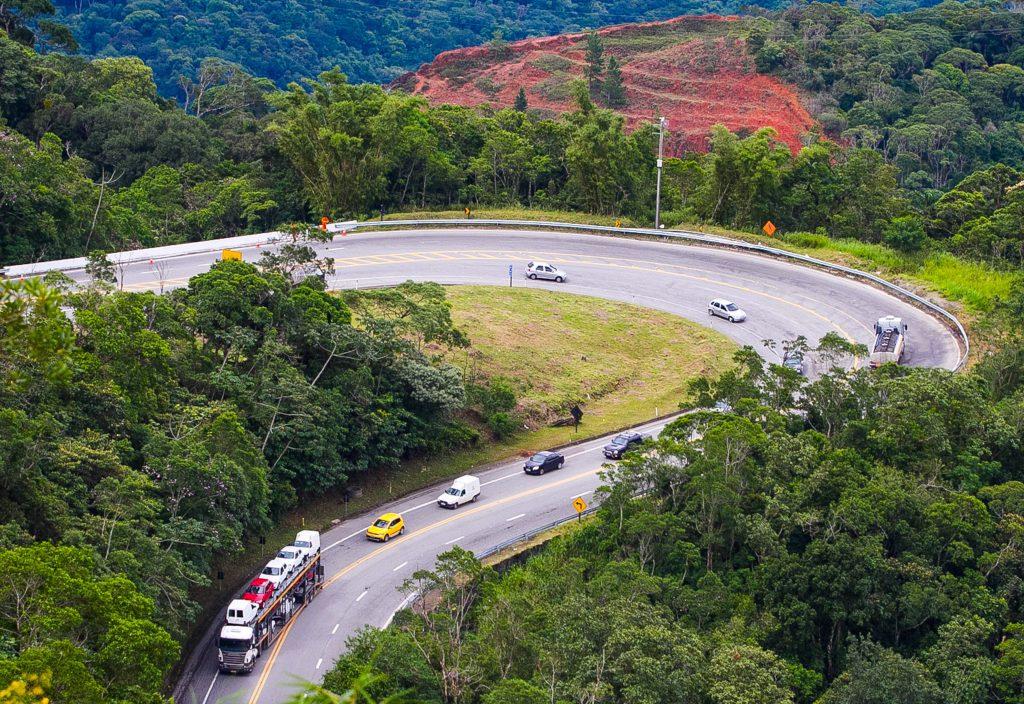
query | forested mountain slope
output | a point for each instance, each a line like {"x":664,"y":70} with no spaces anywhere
{"x":370,"y":40}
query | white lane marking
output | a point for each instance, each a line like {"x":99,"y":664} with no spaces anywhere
{"x":212,"y":682}
{"x":319,"y":663}
{"x":358,"y":599}
{"x":501,"y":479}
{"x":400,"y":566}
{"x":514,"y":517}
{"x":335,"y":629}
{"x":454,"y":540}
{"x":599,"y":444}
{"x":581,"y":494}
{"x":401,"y":606}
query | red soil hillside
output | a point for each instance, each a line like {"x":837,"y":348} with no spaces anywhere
{"x":694,"y":70}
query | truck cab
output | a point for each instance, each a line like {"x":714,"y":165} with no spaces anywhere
{"x":236,"y":649}
{"x":890,"y":341}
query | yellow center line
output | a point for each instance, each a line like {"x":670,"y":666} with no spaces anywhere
{"x":261,"y":683}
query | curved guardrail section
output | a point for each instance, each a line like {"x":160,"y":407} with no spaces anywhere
{"x":713,"y":240}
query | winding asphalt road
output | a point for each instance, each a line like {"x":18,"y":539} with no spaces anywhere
{"x":782,"y":301}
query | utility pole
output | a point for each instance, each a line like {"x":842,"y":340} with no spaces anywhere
{"x":662,"y":123}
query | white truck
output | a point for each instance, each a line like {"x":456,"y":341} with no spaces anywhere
{"x":890,"y":341}
{"x":463,"y":490}
{"x":250,"y":628}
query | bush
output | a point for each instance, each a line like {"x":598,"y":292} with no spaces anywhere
{"x":807,"y":239}
{"x":503,"y":424}
{"x":906,"y":234}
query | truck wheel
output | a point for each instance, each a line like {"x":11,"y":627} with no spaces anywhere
{"x":475,"y":497}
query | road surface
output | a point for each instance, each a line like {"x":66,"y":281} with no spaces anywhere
{"x":782,"y":300}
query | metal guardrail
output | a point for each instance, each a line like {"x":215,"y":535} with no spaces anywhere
{"x":700,"y":238}
{"x":522,"y":538}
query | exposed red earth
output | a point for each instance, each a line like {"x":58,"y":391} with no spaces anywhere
{"x":694,"y":70}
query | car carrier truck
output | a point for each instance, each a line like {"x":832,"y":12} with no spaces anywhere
{"x":890,"y":341}
{"x":250,"y":627}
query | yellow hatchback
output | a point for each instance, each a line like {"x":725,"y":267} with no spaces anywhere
{"x":386,"y":527}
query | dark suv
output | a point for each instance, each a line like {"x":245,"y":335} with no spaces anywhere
{"x":622,"y":443}
{"x":544,"y":461}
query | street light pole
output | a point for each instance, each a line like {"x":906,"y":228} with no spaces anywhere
{"x":662,"y":122}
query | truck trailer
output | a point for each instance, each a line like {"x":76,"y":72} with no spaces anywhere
{"x":890,"y":341}
{"x":250,"y":628}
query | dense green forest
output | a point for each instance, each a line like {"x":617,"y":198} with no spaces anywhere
{"x":925,"y":109}
{"x":154,"y":434}
{"x":858,"y":539}
{"x":368,"y":39}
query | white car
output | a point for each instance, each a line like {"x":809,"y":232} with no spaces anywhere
{"x":276,"y":572}
{"x":539,"y":270}
{"x":308,"y":543}
{"x":726,"y":309}
{"x":463,"y":490}
{"x":291,"y":556}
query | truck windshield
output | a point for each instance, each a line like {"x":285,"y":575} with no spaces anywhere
{"x":452,"y":491}
{"x":303,"y":544}
{"x":233,"y":645}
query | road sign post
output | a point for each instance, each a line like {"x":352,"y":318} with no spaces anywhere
{"x":510,"y":276}
{"x":580,"y":505}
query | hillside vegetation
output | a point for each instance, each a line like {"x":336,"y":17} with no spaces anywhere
{"x":869,"y":550}
{"x":370,"y":41}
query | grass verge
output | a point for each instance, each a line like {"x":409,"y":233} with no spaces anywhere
{"x":624,"y":364}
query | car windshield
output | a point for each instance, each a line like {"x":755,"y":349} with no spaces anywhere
{"x":233,"y":645}
{"x":381,"y":523}
{"x":731,"y":306}
{"x":620,"y":440}
{"x":256,"y":589}
{"x":271,"y":570}
{"x":452,"y":491}
{"x":539,"y":457}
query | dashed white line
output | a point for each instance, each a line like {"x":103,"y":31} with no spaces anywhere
{"x":400,"y":566}
{"x":514,"y":517}
{"x":360,"y":597}
{"x":455,"y":540}
{"x":319,"y":663}
{"x":335,"y":629}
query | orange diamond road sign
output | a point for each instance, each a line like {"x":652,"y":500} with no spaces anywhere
{"x":769,"y":228}
{"x":579,"y":504}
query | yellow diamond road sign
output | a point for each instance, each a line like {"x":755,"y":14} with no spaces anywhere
{"x":579,"y":504}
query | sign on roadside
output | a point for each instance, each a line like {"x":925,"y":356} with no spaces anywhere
{"x":579,"y":504}
{"x":769,"y":228}
{"x":231,"y":255}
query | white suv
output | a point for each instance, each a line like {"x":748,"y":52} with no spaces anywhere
{"x":538,"y":270}
{"x":291,"y":556}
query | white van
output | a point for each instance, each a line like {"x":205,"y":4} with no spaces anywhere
{"x":308,"y":543}
{"x":241,"y":612}
{"x":463,"y":490}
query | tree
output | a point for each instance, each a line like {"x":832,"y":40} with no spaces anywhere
{"x":520,"y":104}
{"x":746,"y":674}
{"x":906,"y":234}
{"x":613,"y":87}
{"x":594,"y":58}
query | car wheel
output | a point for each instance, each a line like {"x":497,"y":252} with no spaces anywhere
{"x":476,"y":497}
{"x":559,"y":279}
{"x":711,"y":312}
{"x":731,"y":320}
{"x":401,"y":531}
{"x":540,"y":470}
{"x":386,"y":537}
{"x":560,"y":464}
{"x":533,"y":276}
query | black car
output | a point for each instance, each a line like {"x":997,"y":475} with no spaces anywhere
{"x":622,"y":443}
{"x":544,"y":461}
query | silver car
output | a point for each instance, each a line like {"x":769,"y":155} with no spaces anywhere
{"x":539,"y":270}
{"x":726,"y":309}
